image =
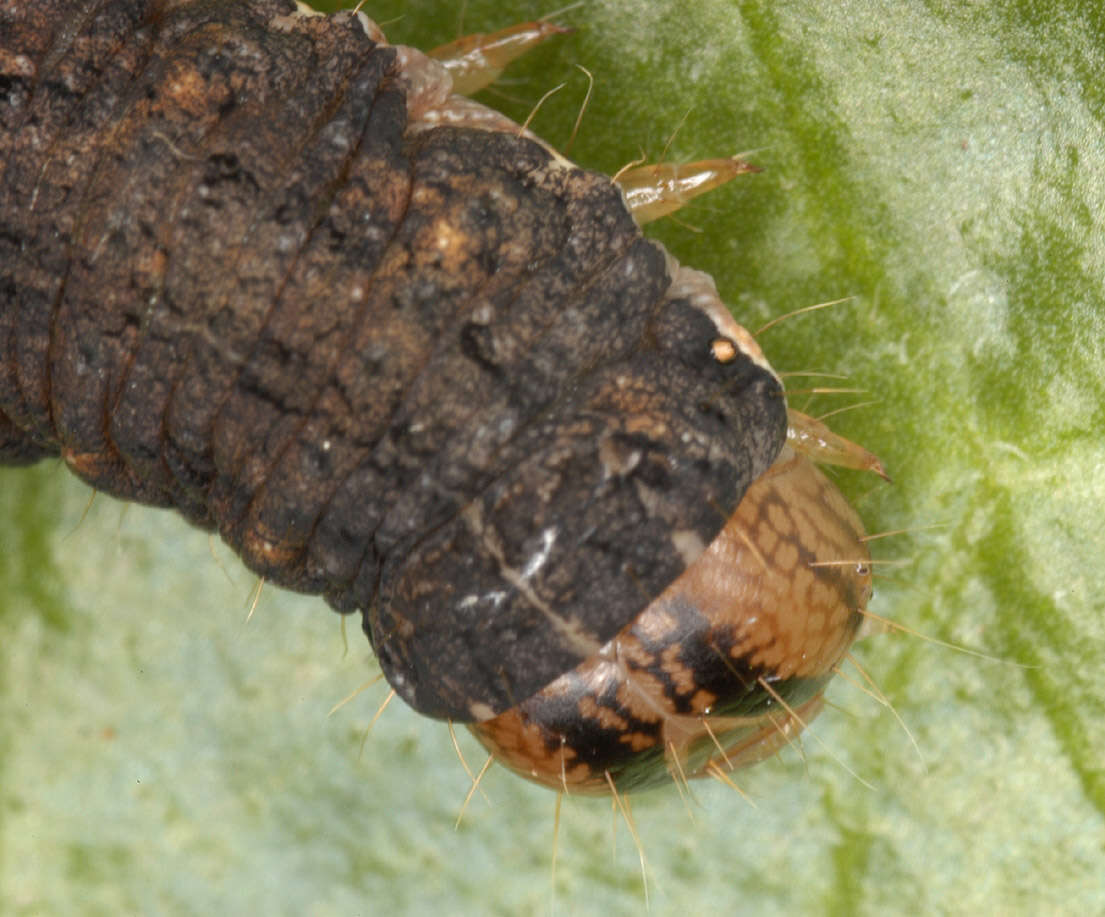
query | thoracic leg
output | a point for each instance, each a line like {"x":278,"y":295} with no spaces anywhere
{"x":657,"y":190}
{"x":476,"y":61}
{"x":816,"y":441}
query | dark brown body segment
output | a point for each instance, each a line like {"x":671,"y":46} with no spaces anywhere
{"x":434,"y":375}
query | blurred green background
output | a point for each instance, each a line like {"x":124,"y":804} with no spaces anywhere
{"x":941,"y":163}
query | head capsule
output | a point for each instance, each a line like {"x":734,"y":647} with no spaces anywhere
{"x":727,"y":665}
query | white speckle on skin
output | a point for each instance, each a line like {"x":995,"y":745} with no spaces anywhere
{"x":494,"y":598}
{"x":539,"y":559}
{"x":617,"y":461}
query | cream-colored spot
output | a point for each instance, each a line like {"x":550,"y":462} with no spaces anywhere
{"x":480,"y":712}
{"x":689,"y":544}
{"x":724,"y":350}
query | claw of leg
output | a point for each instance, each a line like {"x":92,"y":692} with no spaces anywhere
{"x":657,"y":190}
{"x":476,"y":61}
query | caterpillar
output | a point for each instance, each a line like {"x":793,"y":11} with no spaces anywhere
{"x":264,"y":268}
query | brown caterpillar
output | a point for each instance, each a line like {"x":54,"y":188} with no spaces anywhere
{"x":264,"y":268}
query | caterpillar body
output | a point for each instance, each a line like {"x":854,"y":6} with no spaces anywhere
{"x":261,"y":266}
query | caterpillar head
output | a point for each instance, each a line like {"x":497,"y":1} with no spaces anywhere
{"x":724,"y":667}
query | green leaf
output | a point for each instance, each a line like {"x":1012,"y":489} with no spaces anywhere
{"x":939,"y":163}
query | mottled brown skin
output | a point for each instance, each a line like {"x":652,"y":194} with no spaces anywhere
{"x":435,"y":375}
{"x":778,"y":598}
